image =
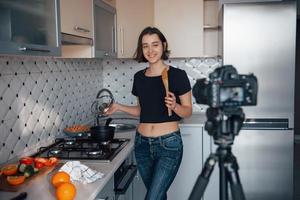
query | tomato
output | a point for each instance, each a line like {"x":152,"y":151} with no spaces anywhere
{"x":38,"y":165}
{"x":15,"y":180}
{"x":40,"y":162}
{"x":40,"y":159}
{"x":53,"y":160}
{"x":10,"y":169}
{"x":26,"y":160}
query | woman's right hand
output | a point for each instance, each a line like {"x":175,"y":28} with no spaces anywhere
{"x":112,"y":109}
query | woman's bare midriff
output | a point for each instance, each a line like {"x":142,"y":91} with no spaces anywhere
{"x":157,"y":129}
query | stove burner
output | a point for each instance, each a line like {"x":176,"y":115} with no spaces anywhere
{"x":69,"y":142}
{"x":94,"y":152}
{"x":105,"y":143}
{"x":55,"y":152}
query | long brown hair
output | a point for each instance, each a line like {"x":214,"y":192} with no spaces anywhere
{"x":139,"y":56}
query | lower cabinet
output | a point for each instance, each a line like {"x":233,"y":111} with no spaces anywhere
{"x":191,"y":164}
{"x":138,"y":188}
{"x":107,"y":193}
{"x":212,"y":189}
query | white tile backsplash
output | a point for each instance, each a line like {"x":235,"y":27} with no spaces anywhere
{"x":40,"y":96}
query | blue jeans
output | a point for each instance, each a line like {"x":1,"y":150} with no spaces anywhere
{"x":158,"y":160}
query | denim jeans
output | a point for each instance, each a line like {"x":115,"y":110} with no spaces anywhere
{"x":158,"y":160}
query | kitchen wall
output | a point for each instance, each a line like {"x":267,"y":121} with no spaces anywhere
{"x":40,"y":96}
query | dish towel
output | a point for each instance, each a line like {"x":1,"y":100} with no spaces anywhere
{"x":80,"y":172}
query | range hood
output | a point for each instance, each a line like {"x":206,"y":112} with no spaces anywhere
{"x":68,"y":39}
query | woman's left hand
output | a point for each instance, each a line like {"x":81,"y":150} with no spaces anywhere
{"x":170,"y":100}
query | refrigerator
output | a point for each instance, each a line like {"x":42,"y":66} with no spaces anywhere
{"x":260,"y":38}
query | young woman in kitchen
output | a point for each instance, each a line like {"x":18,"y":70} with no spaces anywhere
{"x":158,"y":143}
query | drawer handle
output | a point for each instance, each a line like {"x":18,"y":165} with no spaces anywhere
{"x":33,"y":49}
{"x":80,"y":29}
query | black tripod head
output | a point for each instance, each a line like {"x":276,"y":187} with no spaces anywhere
{"x":224,"y":124}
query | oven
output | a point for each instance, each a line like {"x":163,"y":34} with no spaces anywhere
{"x":124,"y":178}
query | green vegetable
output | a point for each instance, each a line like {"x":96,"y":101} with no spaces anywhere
{"x":29,"y":171}
{"x":36,"y":170}
{"x":22,"y":168}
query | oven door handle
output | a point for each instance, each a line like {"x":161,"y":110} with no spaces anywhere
{"x":122,"y":187}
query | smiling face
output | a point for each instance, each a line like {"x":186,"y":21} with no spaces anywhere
{"x":152,"y":48}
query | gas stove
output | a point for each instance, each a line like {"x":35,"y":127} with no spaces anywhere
{"x":83,"y":149}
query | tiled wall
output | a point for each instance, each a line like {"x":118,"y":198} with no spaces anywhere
{"x":41,"y":96}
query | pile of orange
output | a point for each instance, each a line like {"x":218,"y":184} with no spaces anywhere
{"x":65,"y":189}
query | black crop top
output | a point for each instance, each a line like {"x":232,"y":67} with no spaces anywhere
{"x":151,"y":94}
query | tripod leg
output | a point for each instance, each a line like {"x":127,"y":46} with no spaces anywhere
{"x":203,"y":178}
{"x":234,"y":178}
{"x":223,"y":180}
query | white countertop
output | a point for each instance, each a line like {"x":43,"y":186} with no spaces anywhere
{"x":41,"y":188}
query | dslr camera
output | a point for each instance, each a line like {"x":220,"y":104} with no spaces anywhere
{"x":226,"y":88}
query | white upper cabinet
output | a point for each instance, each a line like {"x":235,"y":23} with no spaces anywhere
{"x":77,"y":17}
{"x":182,"y":24}
{"x":211,"y":28}
{"x":132,"y":17}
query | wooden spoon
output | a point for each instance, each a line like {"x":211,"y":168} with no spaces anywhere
{"x":165,"y":79}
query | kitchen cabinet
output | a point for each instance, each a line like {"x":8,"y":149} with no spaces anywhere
{"x":105,"y":30}
{"x":182,"y":24}
{"x":77,"y":17}
{"x":212,"y":189}
{"x":138,"y":188}
{"x":132,"y":17}
{"x":30,"y":27}
{"x":76,"y":25}
{"x":107,"y":192}
{"x":191,"y":164}
{"x":211,"y":28}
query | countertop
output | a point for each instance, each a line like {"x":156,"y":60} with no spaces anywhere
{"x":41,"y":188}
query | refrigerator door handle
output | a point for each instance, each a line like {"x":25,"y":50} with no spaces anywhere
{"x":266,"y":124}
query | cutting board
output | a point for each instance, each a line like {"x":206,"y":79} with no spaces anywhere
{"x":5,"y":186}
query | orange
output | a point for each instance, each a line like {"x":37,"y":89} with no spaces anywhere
{"x":10,"y":169}
{"x":60,"y":177}
{"x":66,"y":191}
{"x":15,"y":180}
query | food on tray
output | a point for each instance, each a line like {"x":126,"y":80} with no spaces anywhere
{"x":15,"y":180}
{"x":10,"y":169}
{"x":40,"y":162}
{"x":26,"y":160}
{"x":77,"y":128}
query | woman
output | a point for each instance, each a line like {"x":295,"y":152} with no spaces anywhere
{"x":158,"y":144}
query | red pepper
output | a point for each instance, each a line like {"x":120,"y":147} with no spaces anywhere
{"x":53,"y":161}
{"x":26,"y":160}
{"x":38,"y":165}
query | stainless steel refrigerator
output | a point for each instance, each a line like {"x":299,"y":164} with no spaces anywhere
{"x":260,"y":38}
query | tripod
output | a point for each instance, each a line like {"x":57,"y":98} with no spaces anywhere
{"x":223,"y":125}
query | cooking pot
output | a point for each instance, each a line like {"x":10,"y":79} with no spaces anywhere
{"x":103,"y":133}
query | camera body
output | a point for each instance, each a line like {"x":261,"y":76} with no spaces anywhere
{"x":226,"y":88}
